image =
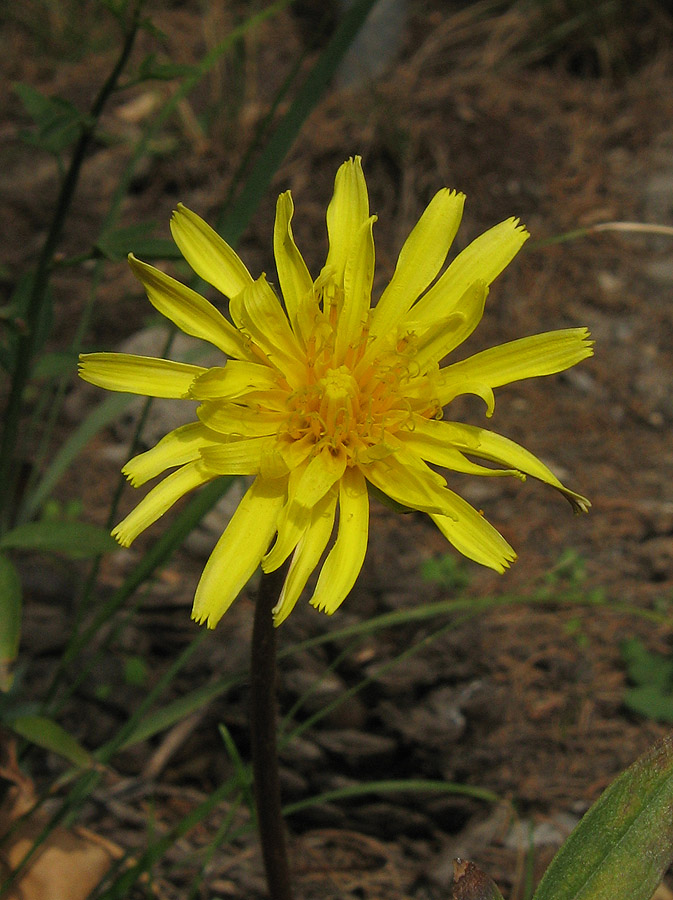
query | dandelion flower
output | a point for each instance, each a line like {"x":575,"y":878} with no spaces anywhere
{"x":322,"y":395}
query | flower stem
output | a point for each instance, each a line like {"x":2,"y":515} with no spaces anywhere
{"x":263,"y":735}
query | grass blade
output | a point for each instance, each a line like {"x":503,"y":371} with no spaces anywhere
{"x":232,"y":225}
{"x":105,"y":413}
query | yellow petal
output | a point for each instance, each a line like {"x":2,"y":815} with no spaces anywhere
{"x":239,"y":551}
{"x":434,"y":347}
{"x":293,"y":275}
{"x":407,"y":480}
{"x":259,"y":314}
{"x":295,"y":452}
{"x":452,"y":389}
{"x":345,"y":559}
{"x":207,"y":253}
{"x":191,"y":312}
{"x":323,"y":470}
{"x":347,"y":211}
{"x":272,"y":400}
{"x":473,"y":536}
{"x":420,"y":259}
{"x":435,"y":446}
{"x":234,"y":380}
{"x":496,"y":448}
{"x":243,"y":457}
{"x":159,"y":500}
{"x":358,"y":278}
{"x":310,"y":311}
{"x":138,"y":374}
{"x":234,"y":420}
{"x":482,"y":260}
{"x":306,"y":555}
{"x":306,"y":488}
{"x":272,"y":464}
{"x":442,"y":433}
{"x":529,"y":357}
{"x":175,"y":449}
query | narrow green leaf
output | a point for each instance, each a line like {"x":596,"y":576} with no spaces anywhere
{"x":152,"y":559}
{"x":234,"y":223}
{"x":392,"y":786}
{"x":10,"y":619}
{"x":58,"y":122}
{"x":155,"y":722}
{"x":78,"y":540}
{"x":623,"y":845}
{"x":55,"y":364}
{"x":38,"y":106}
{"x":103,"y":414}
{"x":151,"y":69}
{"x":242,"y":772}
{"x":116,"y":243}
{"x":48,"y":734}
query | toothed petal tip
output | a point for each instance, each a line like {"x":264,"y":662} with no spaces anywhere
{"x":580,"y":504}
{"x":203,"y":618}
{"x":123,"y":538}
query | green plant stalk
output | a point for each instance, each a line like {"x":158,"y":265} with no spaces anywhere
{"x":264,"y":738}
{"x":233,"y":222}
{"x":26,"y":341}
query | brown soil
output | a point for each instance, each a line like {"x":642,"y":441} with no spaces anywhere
{"x":523,"y":696}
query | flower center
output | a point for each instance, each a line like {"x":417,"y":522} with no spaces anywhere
{"x":339,"y":404}
{"x":350,"y":407}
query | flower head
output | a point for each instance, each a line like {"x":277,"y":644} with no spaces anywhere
{"x":322,"y":395}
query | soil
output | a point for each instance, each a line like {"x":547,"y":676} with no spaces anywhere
{"x":520,"y":689}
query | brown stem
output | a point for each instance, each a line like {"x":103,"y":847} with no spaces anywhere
{"x":263,"y":735}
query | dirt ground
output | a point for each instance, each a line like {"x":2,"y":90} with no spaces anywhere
{"x":522,"y":696}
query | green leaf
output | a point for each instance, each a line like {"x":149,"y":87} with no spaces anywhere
{"x":160,"y":551}
{"x":117,"y":243}
{"x":447,"y":571}
{"x":55,"y":364}
{"x":101,"y":416}
{"x":58,"y":122}
{"x":135,"y":671}
{"x":648,"y":700}
{"x":165,"y":717}
{"x":623,"y":845}
{"x":652,"y":676}
{"x":51,"y":736}
{"x":150,"y":68}
{"x":645,"y":668}
{"x":10,"y":620}
{"x":75,"y":539}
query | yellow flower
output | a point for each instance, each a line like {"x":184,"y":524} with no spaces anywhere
{"x":325,"y":395}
